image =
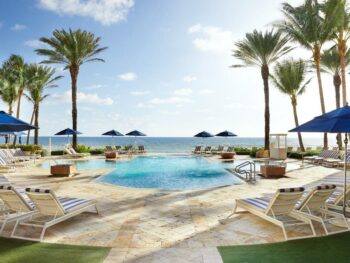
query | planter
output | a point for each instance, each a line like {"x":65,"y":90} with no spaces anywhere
{"x":272,"y":171}
{"x":111,"y":155}
{"x":63,"y":169}
{"x":262,"y":154}
{"x":227,"y":155}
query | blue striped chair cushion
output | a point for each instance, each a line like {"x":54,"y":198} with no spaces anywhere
{"x":70,"y":204}
{"x":325,"y":186}
{"x":292,"y":190}
{"x":20,"y":191}
{"x":38,"y":190}
{"x":259,"y":202}
{"x":6,"y":187}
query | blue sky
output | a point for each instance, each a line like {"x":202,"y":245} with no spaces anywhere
{"x":167,"y":66}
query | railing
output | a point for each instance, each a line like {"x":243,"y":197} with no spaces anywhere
{"x":248,"y":173}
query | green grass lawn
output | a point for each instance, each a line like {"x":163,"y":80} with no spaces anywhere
{"x":334,"y":248}
{"x":18,"y":251}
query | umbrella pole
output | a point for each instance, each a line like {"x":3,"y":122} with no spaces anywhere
{"x":345,"y":167}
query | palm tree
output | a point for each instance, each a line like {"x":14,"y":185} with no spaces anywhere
{"x":72,"y":49}
{"x":261,"y":50}
{"x":306,"y":26}
{"x":330,"y":64}
{"x":289,"y":78}
{"x":338,"y":9}
{"x":8,"y":93}
{"x":14,"y":68}
{"x":41,"y":78}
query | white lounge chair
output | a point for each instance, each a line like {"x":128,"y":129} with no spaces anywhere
{"x":52,"y":210}
{"x":278,"y":209}
{"x":314,"y":207}
{"x":197,"y":149}
{"x":16,"y":206}
{"x":72,"y":153}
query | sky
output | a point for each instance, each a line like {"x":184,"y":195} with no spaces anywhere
{"x":167,"y":67}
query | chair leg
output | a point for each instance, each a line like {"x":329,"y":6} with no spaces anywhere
{"x":3,"y":226}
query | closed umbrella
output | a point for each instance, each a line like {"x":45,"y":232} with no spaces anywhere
{"x":112,"y":133}
{"x":336,"y":121}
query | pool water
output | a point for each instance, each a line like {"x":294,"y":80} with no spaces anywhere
{"x":170,"y":172}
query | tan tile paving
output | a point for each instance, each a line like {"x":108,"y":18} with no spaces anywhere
{"x":148,"y":225}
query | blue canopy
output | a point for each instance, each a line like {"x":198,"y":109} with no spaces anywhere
{"x":9,"y":123}
{"x":135,"y":133}
{"x":112,"y":133}
{"x":336,"y":121}
{"x":226,"y":134}
{"x":204,"y":134}
{"x":68,"y":131}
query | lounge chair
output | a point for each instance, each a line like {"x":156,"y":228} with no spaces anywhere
{"x":230,"y":149}
{"x":325,"y":154}
{"x":278,"y":209}
{"x":51,"y":210}
{"x":207,"y":150}
{"x":141,"y":149}
{"x":117,"y":147}
{"x":70,"y":152}
{"x":314,"y":207}
{"x":219,"y":150}
{"x":20,"y":153}
{"x":334,"y":162}
{"x":197,"y":149}
{"x":109,"y":148}
{"x":16,"y":206}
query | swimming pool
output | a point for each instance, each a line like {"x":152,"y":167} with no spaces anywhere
{"x":170,"y":172}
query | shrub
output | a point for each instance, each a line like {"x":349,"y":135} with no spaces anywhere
{"x":81,"y":148}
{"x":299,"y":155}
{"x":97,"y":151}
{"x":242,"y":150}
{"x":254,"y":150}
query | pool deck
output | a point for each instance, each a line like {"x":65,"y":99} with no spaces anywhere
{"x":148,"y":225}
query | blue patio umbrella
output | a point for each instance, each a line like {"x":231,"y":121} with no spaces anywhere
{"x":112,"y":133}
{"x":204,"y":134}
{"x":226,"y":134}
{"x":135,"y":133}
{"x":336,"y":121}
{"x":68,"y":132}
{"x":9,"y":123}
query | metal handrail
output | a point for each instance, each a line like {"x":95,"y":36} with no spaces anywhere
{"x":250,"y":174}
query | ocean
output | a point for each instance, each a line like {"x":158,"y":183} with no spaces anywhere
{"x":172,"y":144}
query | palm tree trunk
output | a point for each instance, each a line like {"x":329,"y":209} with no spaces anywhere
{"x":342,"y":51}
{"x":74,"y":71}
{"x":31,"y":122}
{"x":36,"y":124}
{"x":296,"y":120}
{"x":337,"y":82}
{"x":317,"y":61}
{"x":20,"y":93}
{"x":265,"y":75}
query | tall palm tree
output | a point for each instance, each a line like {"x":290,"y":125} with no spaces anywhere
{"x":72,"y":49}
{"x":338,"y":9}
{"x":330,"y":64}
{"x":306,"y":26}
{"x":41,"y":78}
{"x":289,"y":78}
{"x":260,"y":50}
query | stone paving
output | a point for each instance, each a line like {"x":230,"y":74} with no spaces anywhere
{"x":147,"y":225}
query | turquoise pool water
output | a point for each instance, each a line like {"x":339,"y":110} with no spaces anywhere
{"x":170,"y":172}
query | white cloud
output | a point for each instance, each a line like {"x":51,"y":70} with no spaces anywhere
{"x":206,"y":91}
{"x":106,"y":12}
{"x":35,"y":43}
{"x":170,"y":100}
{"x":189,"y":78}
{"x":183,"y":92}
{"x":211,"y":38}
{"x":18,"y":27}
{"x":144,"y":105}
{"x":128,"y":76}
{"x":84,"y":98}
{"x":139,"y":92}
